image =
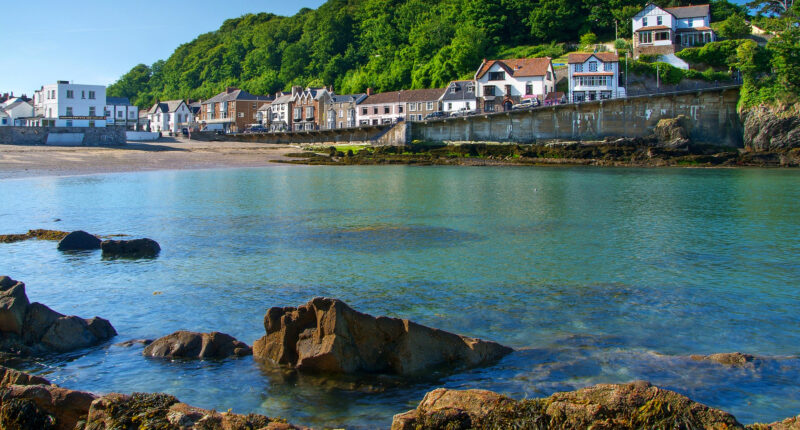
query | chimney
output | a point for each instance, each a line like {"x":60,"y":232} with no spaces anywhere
{"x":369,"y":91}
{"x":230,"y":89}
{"x":296,"y":90}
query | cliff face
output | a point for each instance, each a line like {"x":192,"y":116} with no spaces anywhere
{"x":772,"y":128}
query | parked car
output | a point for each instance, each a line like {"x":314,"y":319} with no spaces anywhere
{"x":527,"y":104}
{"x":463,"y":112}
{"x":256,"y":129}
{"x":435,"y":115}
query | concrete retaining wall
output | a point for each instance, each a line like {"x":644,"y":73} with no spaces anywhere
{"x":142,"y":136}
{"x":713,"y":117}
{"x":63,"y":136}
{"x":395,"y":134}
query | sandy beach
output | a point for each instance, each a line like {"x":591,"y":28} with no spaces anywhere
{"x":18,"y":161}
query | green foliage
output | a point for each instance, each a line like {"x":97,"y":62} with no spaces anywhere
{"x":552,"y":50}
{"x":723,"y":9}
{"x":735,"y":27}
{"x":673,"y":75}
{"x":715,"y":54}
{"x":588,"y":40}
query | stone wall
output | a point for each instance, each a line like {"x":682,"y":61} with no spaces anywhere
{"x":63,"y":136}
{"x":712,"y":113}
{"x":395,"y":134}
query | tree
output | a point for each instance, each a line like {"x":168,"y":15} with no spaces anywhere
{"x":555,"y":20}
{"x":772,"y":7}
{"x":723,"y":9}
{"x":785,"y":50}
{"x":735,"y":27}
{"x":588,"y":40}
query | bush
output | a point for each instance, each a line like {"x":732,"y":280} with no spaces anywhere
{"x":716,"y":54}
{"x":588,"y":39}
{"x":735,"y":27}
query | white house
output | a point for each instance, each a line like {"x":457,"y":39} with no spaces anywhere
{"x":170,"y":116}
{"x":281,"y":111}
{"x":663,"y":31}
{"x":502,"y":83}
{"x":5,"y":119}
{"x":119,"y":111}
{"x":15,"y":111}
{"x":459,"y":96}
{"x":264,"y":114}
{"x":70,"y":105}
{"x":594,"y":76}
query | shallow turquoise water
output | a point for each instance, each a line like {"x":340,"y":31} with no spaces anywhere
{"x":596,"y":275}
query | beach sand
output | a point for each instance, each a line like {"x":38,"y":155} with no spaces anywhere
{"x":18,"y":161}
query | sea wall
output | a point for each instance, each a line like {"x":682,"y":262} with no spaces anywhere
{"x":712,"y":115}
{"x":63,"y":136}
{"x":391,"y":134}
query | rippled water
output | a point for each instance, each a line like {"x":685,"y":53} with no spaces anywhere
{"x":595,"y":275}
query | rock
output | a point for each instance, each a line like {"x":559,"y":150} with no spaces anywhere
{"x":137,"y":248}
{"x":79,"y":241}
{"x":10,"y":376}
{"x":38,"y":319}
{"x":119,"y":411}
{"x":771,"y":128}
{"x":130,"y":343}
{"x":733,"y":359}
{"x":326,"y":335}
{"x":673,"y":132}
{"x":24,"y":414}
{"x":187,"y":344}
{"x":636,"y":405}
{"x":101,"y":328}
{"x":13,"y":304}
{"x":792,"y":423}
{"x":66,"y":406}
{"x":68,"y":334}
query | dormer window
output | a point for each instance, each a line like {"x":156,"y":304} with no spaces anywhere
{"x":470,"y":88}
{"x":644,"y":22}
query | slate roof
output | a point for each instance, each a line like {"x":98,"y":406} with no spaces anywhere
{"x":460,"y":93}
{"x":519,"y":67}
{"x":689,"y":11}
{"x":581,"y":57}
{"x":118,"y":101}
{"x":404,"y":96}
{"x":234,"y":96}
{"x":17,"y":103}
{"x":348,"y":98}
{"x":286,"y":98}
{"x":166,"y":107}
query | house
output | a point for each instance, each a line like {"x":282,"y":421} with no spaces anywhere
{"x":460,"y":96}
{"x":593,"y":76}
{"x":342,"y":110}
{"x":64,"y":104}
{"x":16,"y":111}
{"x":394,"y":106}
{"x":118,"y":111}
{"x":308,"y":110}
{"x":195,"y":107}
{"x":170,"y":117}
{"x":503,"y":83}
{"x":143,"y":123}
{"x":664,"y":31}
{"x":281,"y":111}
{"x":232,"y":110}
{"x":264,"y":115}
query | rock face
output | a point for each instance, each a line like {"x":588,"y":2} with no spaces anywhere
{"x":772,"y":128}
{"x":187,"y":344}
{"x":67,"y":407}
{"x":326,"y":335}
{"x":673,"y":132}
{"x":10,"y":376}
{"x":33,"y":327}
{"x":79,"y":241}
{"x":137,"y":248}
{"x":637,"y":405}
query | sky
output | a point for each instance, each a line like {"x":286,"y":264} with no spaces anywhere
{"x":97,"y":41}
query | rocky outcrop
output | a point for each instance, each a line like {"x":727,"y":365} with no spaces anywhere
{"x":187,"y":344}
{"x":731,"y":359}
{"x":34,"y":234}
{"x":673,"y":132}
{"x":326,"y":335}
{"x":771,"y":128}
{"x":30,"y":328}
{"x":66,"y":407}
{"x":79,"y":241}
{"x":137,"y":248}
{"x":637,"y":405}
{"x":10,"y":376}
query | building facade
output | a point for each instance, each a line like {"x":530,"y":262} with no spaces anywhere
{"x":231,"y":111}
{"x":309,"y":108}
{"x":459,"y":96}
{"x":118,"y":111}
{"x":170,"y":117}
{"x":281,"y":111}
{"x":593,"y":76}
{"x":64,"y":104}
{"x":503,"y":83}
{"x":15,"y":111}
{"x":394,"y":106}
{"x":343,"y":111}
{"x":664,"y":31}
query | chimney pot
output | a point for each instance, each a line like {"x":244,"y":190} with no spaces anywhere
{"x":369,"y":91}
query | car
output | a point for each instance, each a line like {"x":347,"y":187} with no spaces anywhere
{"x":462,"y":112}
{"x":526,"y":104}
{"x":256,"y":129}
{"x":435,"y":115}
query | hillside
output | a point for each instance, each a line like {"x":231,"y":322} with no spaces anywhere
{"x":383,"y":44}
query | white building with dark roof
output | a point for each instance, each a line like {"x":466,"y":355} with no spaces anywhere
{"x":119,"y":111}
{"x":64,"y":104}
{"x":594,"y":76}
{"x":503,"y":83}
{"x":459,"y":96}
{"x":343,"y":110}
{"x":170,"y":116}
{"x":664,"y":31}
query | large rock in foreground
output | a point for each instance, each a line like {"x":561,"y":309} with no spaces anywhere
{"x":79,"y":241}
{"x":137,"y":248}
{"x":187,"y":344}
{"x":326,"y":335}
{"x":772,"y":128}
{"x":637,"y":405}
{"x":33,"y":327}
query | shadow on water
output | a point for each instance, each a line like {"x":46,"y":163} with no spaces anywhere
{"x":387,"y":238}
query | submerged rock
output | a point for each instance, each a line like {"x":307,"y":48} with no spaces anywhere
{"x":187,"y":344}
{"x":33,"y":327}
{"x":79,"y":241}
{"x":137,"y":248}
{"x":733,"y":359}
{"x":326,"y":335}
{"x":637,"y":405}
{"x":34,"y":234}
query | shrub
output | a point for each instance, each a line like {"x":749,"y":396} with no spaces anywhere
{"x":588,"y":39}
{"x":735,"y":27}
{"x":716,"y":54}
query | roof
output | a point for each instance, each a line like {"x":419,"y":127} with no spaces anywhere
{"x":689,"y":11}
{"x":461,"y":92}
{"x":286,"y":98}
{"x":118,"y":101}
{"x":684,"y":30}
{"x":581,"y":57}
{"x":235,"y":95}
{"x":558,"y":95}
{"x":348,"y":98}
{"x":264,"y":107}
{"x":405,"y":96}
{"x":654,"y":27}
{"x":520,"y":67}
{"x":166,"y":107}
{"x":16,"y":103}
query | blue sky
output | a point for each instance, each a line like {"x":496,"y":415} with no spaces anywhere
{"x":97,"y":41}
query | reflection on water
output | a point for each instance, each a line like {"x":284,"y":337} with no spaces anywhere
{"x":594,"y":275}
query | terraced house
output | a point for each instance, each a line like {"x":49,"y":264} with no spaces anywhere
{"x":395,"y":106}
{"x":231,"y":111}
{"x":308,"y":108}
{"x":504,"y":83}
{"x":342,"y":110}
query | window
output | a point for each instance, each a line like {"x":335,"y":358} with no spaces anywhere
{"x":310,"y":112}
{"x":579,"y":68}
{"x":644,"y":22}
{"x":254,"y":105}
{"x":659,"y":20}
{"x":241,"y":115}
{"x":375,"y":110}
{"x":69,"y":110}
{"x":549,"y":76}
{"x":412,"y":107}
{"x":83,"y":94}
{"x":593,"y":66}
{"x":608,"y":67}
{"x":363,"y":111}
{"x":400,"y":109}
{"x":468,"y":106}
{"x":70,"y":94}
{"x":470,"y":88}
{"x":449,"y":106}
{"x":497,"y":76}
{"x":69,"y":123}
{"x":386,"y":109}
{"x":488,"y":90}
{"x":662,"y":35}
{"x":508,"y":90}
{"x":646,"y":37}
{"x":298,"y":112}
{"x":341,"y":113}
{"x":91,"y":95}
{"x":119,"y":114}
{"x":430,"y":105}
{"x":529,"y":88}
